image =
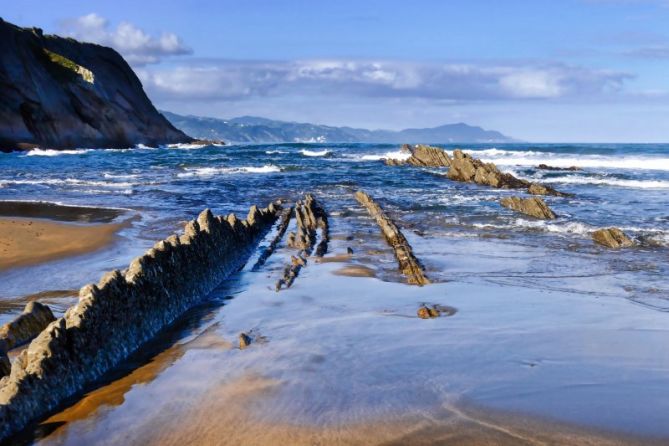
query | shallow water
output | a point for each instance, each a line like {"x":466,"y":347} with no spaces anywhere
{"x":548,"y":326}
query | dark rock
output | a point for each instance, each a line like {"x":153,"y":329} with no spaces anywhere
{"x":533,"y":206}
{"x":547,"y":167}
{"x":5,"y":364}
{"x":59,"y":93}
{"x":27,"y":325}
{"x":612,"y":238}
{"x":244,"y":341}
{"x":349,"y":250}
{"x":408,"y":263}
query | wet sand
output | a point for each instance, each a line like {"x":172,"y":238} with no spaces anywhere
{"x":29,"y":241}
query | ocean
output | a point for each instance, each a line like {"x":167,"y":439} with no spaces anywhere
{"x":548,"y":324}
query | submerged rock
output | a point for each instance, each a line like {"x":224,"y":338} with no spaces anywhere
{"x":547,"y":167}
{"x":533,"y":206}
{"x":27,"y":325}
{"x":612,"y":238}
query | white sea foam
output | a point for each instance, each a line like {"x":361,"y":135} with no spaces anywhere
{"x":616,"y":182}
{"x":306,"y":152}
{"x":396,"y":155}
{"x":274,"y":152}
{"x":211,"y":171}
{"x":577,"y":228}
{"x":534,"y":158}
{"x":51,"y":152}
{"x":66,"y":181}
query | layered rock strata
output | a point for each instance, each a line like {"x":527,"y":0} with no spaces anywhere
{"x":114,"y":317}
{"x":612,"y":238}
{"x":26,"y":326}
{"x":310,"y":216}
{"x":533,"y":206}
{"x":408,"y":263}
{"x":422,"y":155}
{"x":465,"y":168}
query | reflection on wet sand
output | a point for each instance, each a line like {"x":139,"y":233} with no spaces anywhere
{"x":113,"y":394}
{"x":231,"y":405}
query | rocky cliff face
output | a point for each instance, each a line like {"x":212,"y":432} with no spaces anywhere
{"x":60,"y":93}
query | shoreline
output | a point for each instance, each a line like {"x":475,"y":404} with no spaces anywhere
{"x":32,"y":241}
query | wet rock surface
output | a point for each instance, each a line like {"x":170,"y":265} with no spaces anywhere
{"x":547,"y":167}
{"x":408,"y":263}
{"x":422,"y":155}
{"x":26,"y":326}
{"x":5,"y":364}
{"x":612,"y":238}
{"x":125,"y":309}
{"x":310,"y":217}
{"x":533,"y":206}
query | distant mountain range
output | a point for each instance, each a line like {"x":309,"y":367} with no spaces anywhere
{"x":250,"y":129}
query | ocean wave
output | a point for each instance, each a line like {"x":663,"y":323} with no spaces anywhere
{"x":211,"y":171}
{"x":52,"y":152}
{"x":573,"y":227}
{"x":306,"y":152}
{"x":275,"y":152}
{"x":616,"y":182}
{"x":533,"y":158}
{"x":396,"y":155}
{"x":66,"y":181}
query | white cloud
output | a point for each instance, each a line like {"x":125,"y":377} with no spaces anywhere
{"x":225,"y":80}
{"x":136,"y":46}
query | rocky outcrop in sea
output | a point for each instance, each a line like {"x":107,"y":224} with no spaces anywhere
{"x":533,"y":206}
{"x":612,"y":238}
{"x":59,"y":93}
{"x":27,"y":325}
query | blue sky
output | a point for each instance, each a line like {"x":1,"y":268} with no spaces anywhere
{"x":560,"y":70}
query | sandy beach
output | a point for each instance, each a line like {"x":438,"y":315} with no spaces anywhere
{"x":33,"y":232}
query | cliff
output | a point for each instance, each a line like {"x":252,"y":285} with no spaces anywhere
{"x":60,"y":93}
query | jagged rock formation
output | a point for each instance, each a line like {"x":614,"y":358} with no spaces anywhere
{"x":59,"y":93}
{"x":27,"y":325}
{"x":124,"y":310}
{"x":408,"y":263}
{"x":310,"y":216}
{"x":612,"y":238}
{"x":547,"y":167}
{"x":422,"y":155}
{"x":533,"y":206}
{"x":465,"y":168}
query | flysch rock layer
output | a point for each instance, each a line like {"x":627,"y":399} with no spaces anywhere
{"x":422,"y":155}
{"x":612,"y":238}
{"x":533,"y":206}
{"x":26,"y":326}
{"x":124,"y":310}
{"x":310,"y":216}
{"x":465,"y":168}
{"x":408,"y":263}
{"x":284,"y":221}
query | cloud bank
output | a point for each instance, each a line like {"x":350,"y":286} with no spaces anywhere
{"x":227,"y":80}
{"x":136,"y":46}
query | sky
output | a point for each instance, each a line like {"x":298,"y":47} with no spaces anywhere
{"x":536,"y":70}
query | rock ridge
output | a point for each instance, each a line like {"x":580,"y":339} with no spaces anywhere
{"x":114,"y":317}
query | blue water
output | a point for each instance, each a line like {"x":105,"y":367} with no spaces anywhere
{"x":548,"y":322}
